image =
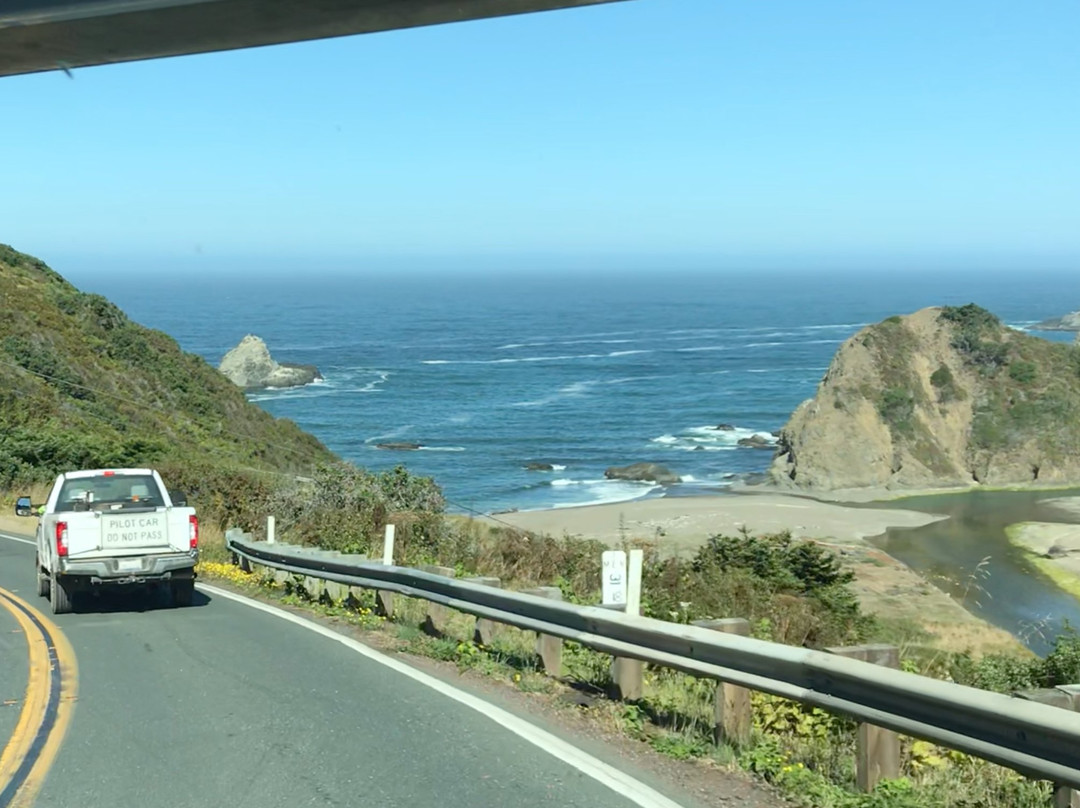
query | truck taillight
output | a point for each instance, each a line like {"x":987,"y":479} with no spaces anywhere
{"x":193,"y":531}
{"x":61,"y":539}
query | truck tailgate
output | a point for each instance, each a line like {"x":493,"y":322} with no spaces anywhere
{"x":134,"y":531}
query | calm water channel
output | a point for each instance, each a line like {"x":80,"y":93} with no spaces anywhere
{"x":1010,"y":592}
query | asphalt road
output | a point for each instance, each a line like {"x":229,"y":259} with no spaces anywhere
{"x":13,"y":670}
{"x":224,"y":704}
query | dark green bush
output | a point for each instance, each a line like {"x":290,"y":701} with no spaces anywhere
{"x":1023,"y":372}
{"x":897,"y":406}
{"x":796,"y":591}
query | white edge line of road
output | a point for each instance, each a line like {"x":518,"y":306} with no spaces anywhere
{"x":618,"y":781}
{"x":20,"y":539}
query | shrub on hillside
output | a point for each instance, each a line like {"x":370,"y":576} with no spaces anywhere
{"x":343,"y":507}
{"x":796,"y":592}
{"x":1004,"y":673}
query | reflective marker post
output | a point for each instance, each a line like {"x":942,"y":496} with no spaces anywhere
{"x":625,"y":581}
{"x":388,"y":546}
{"x":384,"y":600}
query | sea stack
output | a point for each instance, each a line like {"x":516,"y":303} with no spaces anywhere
{"x":250,"y":366}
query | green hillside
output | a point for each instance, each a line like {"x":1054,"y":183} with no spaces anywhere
{"x":81,"y":385}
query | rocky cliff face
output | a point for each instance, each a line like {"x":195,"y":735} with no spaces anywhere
{"x":1068,"y":322}
{"x":940,"y":398}
{"x":249,"y":365}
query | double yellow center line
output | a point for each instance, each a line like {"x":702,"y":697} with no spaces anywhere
{"x":47,"y":707}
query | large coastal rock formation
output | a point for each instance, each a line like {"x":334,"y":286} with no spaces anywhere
{"x":249,"y":365}
{"x":943,"y":397}
{"x":1067,"y":322}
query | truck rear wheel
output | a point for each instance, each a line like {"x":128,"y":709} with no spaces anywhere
{"x":182,"y":591}
{"x":42,"y":580}
{"x":59,"y":597}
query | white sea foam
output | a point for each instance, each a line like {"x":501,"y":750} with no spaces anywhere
{"x":574,"y":390}
{"x":832,"y":325}
{"x":557,"y":467}
{"x":515,"y":345}
{"x":372,"y":386}
{"x":400,"y":432}
{"x":293,"y":393}
{"x":602,"y":492}
{"x":441,"y":449}
{"x":710,"y":439}
{"x":515,"y":360}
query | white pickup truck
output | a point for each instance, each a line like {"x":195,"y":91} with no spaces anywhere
{"x":113,"y":528}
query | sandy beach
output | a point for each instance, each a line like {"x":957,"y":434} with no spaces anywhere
{"x":683,"y":523}
{"x":884,"y":586}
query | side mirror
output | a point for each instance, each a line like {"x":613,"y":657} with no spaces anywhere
{"x":23,"y":507}
{"x":179,"y":498}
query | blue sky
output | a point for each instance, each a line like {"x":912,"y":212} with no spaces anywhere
{"x":712,"y":133}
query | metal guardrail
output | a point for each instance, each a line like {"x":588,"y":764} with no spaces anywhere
{"x":1035,"y":739}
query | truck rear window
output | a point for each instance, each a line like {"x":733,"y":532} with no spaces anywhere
{"x":134,"y":490}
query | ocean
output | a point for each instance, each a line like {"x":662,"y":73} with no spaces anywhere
{"x":491,"y":372}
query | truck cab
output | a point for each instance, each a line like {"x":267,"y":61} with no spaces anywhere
{"x":113,"y":528}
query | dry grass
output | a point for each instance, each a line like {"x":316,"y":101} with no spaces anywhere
{"x":212,"y":543}
{"x":898,"y":594}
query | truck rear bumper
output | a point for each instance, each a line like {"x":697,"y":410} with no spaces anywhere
{"x":98,"y":571}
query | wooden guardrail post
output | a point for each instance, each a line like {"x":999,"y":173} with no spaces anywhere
{"x":877,"y":750}
{"x":486,"y":630}
{"x":337,"y":592}
{"x":235,"y":533}
{"x":548,"y":648}
{"x":732,"y":717}
{"x":437,"y":615}
{"x":384,"y":603}
{"x":1067,"y":697}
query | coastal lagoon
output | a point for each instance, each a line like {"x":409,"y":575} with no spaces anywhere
{"x":969,"y":556}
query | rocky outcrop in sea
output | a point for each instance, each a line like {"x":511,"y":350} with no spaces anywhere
{"x":250,"y":366}
{"x":1067,"y":322}
{"x":643,"y":472}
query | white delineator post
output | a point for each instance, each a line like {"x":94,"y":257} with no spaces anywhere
{"x":628,"y":674}
{"x":388,"y":547}
{"x":270,"y":530}
{"x":384,"y":601}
